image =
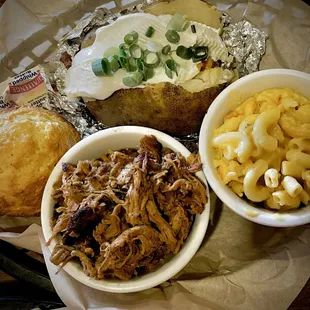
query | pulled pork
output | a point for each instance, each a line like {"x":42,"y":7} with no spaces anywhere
{"x":121,"y":215}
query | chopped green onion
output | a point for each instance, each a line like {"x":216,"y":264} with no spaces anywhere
{"x":200,"y":53}
{"x":124,"y":46}
{"x":122,"y":53}
{"x":135,"y":51}
{"x":124,"y":63}
{"x":147,"y":72}
{"x":113,"y":60}
{"x":193,"y":28}
{"x":110,"y":52}
{"x":178,"y":22}
{"x":132,"y":65}
{"x":184,"y":52}
{"x":133,"y":79}
{"x":101,"y":67}
{"x":172,"y":36}
{"x":140,"y":64}
{"x":116,"y":57}
{"x":97,"y":67}
{"x":131,"y":37}
{"x":170,"y":67}
{"x":149,"y":32}
{"x":166,"y":50}
{"x":154,"y":46}
{"x":151,"y":60}
{"x":106,"y":66}
{"x":124,"y":50}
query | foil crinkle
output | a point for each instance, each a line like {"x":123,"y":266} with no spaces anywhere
{"x":244,"y":41}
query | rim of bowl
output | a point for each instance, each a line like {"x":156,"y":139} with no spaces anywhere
{"x":224,"y":193}
{"x":169,"y":268}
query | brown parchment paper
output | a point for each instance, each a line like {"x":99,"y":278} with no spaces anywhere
{"x":240,"y":265}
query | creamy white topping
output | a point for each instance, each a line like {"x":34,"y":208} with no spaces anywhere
{"x":81,"y":81}
{"x":208,"y":78}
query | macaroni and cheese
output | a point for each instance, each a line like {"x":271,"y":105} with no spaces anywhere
{"x":262,"y":150}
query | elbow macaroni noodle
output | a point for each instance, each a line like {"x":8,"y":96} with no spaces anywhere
{"x":262,"y":150}
{"x":260,"y":133}
{"x":271,"y":178}
{"x":252,"y":189}
{"x":292,"y":186}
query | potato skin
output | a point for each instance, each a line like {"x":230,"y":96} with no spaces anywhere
{"x":163,"y":106}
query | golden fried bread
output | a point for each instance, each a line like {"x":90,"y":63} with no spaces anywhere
{"x":32,"y":140}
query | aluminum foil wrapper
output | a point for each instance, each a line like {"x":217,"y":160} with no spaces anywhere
{"x":245,"y":43}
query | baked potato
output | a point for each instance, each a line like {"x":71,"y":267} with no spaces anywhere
{"x":177,"y":109}
{"x":163,"y":106}
{"x":196,"y":10}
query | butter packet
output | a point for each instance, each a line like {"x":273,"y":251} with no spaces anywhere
{"x":29,"y":88}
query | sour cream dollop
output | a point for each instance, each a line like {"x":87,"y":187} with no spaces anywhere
{"x":82,"y":82}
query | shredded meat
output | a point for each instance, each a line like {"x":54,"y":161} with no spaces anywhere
{"x":87,"y":264}
{"x":194,"y":163}
{"x":82,"y":220}
{"x":164,"y":228}
{"x":129,"y":250}
{"x":121,"y":215}
{"x":60,"y":253}
{"x":137,"y":199}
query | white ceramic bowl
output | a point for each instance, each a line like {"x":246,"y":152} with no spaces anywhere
{"x":228,"y":99}
{"x":91,"y":148}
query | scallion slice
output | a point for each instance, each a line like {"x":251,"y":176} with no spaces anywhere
{"x":184,"y":52}
{"x":124,"y":50}
{"x":170,"y":67}
{"x":113,"y":60}
{"x":140,"y":64}
{"x":149,"y":32}
{"x":123,"y":46}
{"x":97,"y":67}
{"x":151,"y":60}
{"x":172,"y":36}
{"x":200,"y":53}
{"x":135,"y":51}
{"x":133,"y":79}
{"x":132,"y":65}
{"x":131,"y":37}
{"x":116,"y":57}
{"x":124,"y":63}
{"x":178,"y":22}
{"x":101,"y":67}
{"x":193,"y":27}
{"x":147,"y":72}
{"x":106,"y":66}
{"x":122,"y":53}
{"x":166,"y":50}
